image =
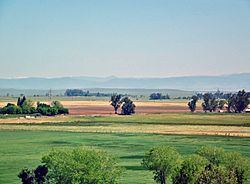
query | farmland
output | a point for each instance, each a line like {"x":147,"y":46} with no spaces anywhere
{"x":93,"y":124}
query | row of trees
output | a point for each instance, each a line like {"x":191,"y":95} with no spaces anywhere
{"x":79,"y":92}
{"x":237,"y":102}
{"x":207,"y":165}
{"x":26,"y":106}
{"x":158,"y":96}
{"x":127,"y":105}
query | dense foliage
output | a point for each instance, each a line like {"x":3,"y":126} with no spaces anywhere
{"x":192,"y":103}
{"x":208,"y":165}
{"x":164,"y":161}
{"x":25,"y":106}
{"x":158,"y":96}
{"x":236,"y":102}
{"x":37,"y":176}
{"x":82,"y":166}
{"x":115,"y":101}
{"x":128,"y":106}
{"x":75,"y":92}
{"x":80,"y":92}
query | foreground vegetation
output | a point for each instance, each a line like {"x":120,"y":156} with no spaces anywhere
{"x":26,"y":148}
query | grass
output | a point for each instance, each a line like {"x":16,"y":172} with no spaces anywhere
{"x":22,"y":142}
{"x":220,"y":119}
{"x":21,"y":148}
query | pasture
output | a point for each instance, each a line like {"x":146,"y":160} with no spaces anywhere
{"x":20,"y":148}
{"x":24,"y":141}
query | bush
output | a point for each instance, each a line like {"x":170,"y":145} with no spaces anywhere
{"x":47,"y":110}
{"x":11,"y":109}
{"x":62,"y":110}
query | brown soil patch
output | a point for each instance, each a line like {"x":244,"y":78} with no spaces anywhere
{"x":104,"y":108}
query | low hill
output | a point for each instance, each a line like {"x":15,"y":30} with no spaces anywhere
{"x":192,"y":83}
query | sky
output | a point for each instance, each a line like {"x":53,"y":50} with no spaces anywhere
{"x":124,"y":38}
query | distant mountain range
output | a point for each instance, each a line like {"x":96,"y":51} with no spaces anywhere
{"x":231,"y":82}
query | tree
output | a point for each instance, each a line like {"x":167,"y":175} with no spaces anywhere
{"x":216,"y":175}
{"x":115,"y":102}
{"x":237,"y":164}
{"x":83,"y":166}
{"x":191,"y":169}
{"x":128,"y":106}
{"x":158,"y":96}
{"x":163,"y":161}
{"x":75,"y":92}
{"x":11,"y":109}
{"x":238,"y":102}
{"x":38,"y":176}
{"x":221,"y":104}
{"x":210,"y":103}
{"x":192,"y":103}
{"x":26,"y":176}
{"x":213,"y":154}
{"x":56,"y":104}
{"x":48,"y":110}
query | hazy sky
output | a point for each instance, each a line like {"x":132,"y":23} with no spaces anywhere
{"x":136,"y":38}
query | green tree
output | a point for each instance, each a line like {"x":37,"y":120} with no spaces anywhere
{"x":192,"y":103}
{"x":164,"y":161}
{"x":26,"y":176}
{"x":82,"y":166}
{"x":11,"y":109}
{"x":191,"y":169}
{"x":238,"y":102}
{"x":38,"y":176}
{"x":210,"y":103}
{"x":213,"y":154}
{"x":237,"y":164}
{"x":128,"y":106}
{"x":115,"y":101}
{"x":216,"y":175}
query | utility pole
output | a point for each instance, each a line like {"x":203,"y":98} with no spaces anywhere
{"x":50,"y":93}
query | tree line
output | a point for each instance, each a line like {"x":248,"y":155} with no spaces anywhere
{"x":27,"y":106}
{"x":207,"y":165}
{"x":80,"y":92}
{"x":233,"y":102}
{"x":158,"y":96}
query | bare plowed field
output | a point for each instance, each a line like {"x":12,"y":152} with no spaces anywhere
{"x":104,"y":108}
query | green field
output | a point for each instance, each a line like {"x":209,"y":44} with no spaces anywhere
{"x":22,"y":144}
{"x":25,"y":148}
